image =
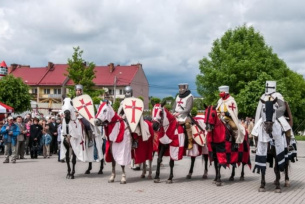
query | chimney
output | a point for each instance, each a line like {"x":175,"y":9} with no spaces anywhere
{"x":12,"y":68}
{"x":139,"y":65}
{"x":50,"y":66}
{"x":111,"y":67}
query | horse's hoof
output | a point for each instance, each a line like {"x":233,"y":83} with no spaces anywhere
{"x":87,"y":172}
{"x":72,"y":177}
{"x":188,"y":176}
{"x":123,"y":182}
{"x":278,"y":190}
{"x":242,"y":178}
{"x":156,"y":180}
{"x":149,"y":177}
{"x":205,"y":176}
{"x":169,"y":181}
{"x":287,"y":184}
{"x":231,"y":179}
{"x":100,"y":172}
{"x":218,"y":183}
{"x":261,"y":190}
{"x":142,"y":176}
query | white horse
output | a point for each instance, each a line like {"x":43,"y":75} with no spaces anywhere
{"x":75,"y":139}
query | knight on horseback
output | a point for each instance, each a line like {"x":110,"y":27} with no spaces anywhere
{"x":228,"y":113}
{"x":182,"y":108}
{"x":85,"y":123}
{"x":142,"y":128}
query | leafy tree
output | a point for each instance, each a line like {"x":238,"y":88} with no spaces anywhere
{"x":242,"y":60}
{"x":198,"y":103}
{"x":15,"y":93}
{"x":116,"y":105}
{"x":153,"y":100}
{"x":80,"y":73}
{"x":194,"y":111}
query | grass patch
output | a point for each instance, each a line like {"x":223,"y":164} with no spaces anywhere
{"x":299,"y":137}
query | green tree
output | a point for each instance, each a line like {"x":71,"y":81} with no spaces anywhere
{"x":242,"y":60}
{"x":80,"y":73}
{"x":194,"y":111}
{"x":153,"y":101}
{"x":15,"y":93}
{"x":198,"y":103}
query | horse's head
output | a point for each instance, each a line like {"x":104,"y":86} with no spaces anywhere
{"x":104,"y":114}
{"x":68,"y":110}
{"x":210,"y":117}
{"x":268,"y":114}
{"x":157,"y":116}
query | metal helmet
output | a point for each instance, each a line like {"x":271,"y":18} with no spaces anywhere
{"x":79,"y":87}
{"x":224,"y":89}
{"x":183,"y":87}
{"x":270,"y":87}
{"x":128,"y":92}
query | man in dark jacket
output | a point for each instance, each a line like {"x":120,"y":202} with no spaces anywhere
{"x":53,"y":132}
{"x":35,"y":136}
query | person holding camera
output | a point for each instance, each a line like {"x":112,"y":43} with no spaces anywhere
{"x":10,"y":131}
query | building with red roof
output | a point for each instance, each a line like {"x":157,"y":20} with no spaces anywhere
{"x":49,"y":83}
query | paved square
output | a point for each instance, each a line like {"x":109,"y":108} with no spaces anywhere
{"x":43,"y":181}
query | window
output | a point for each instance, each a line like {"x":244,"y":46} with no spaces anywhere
{"x":110,"y":91}
{"x":121,"y":91}
{"x":46,"y":91}
{"x":34,"y":91}
{"x":57,"y":91}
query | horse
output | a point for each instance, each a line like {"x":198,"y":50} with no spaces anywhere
{"x":119,"y":141}
{"x":221,"y":148}
{"x":271,"y":145}
{"x":171,"y":136}
{"x":73,"y":140}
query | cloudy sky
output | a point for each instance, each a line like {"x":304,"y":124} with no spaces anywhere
{"x":168,"y":37}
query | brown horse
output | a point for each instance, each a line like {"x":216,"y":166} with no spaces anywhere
{"x":222,"y":148}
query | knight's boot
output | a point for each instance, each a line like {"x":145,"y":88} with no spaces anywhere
{"x":189,"y":136}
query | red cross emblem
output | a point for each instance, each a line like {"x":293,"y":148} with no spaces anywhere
{"x":134,"y":108}
{"x":84,"y":105}
{"x":180,"y":102}
{"x":82,"y":143}
{"x":232,"y":106}
{"x":198,"y":134}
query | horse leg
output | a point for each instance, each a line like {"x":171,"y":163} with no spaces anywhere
{"x":101,"y":167}
{"x":73,"y":164}
{"x":278,"y":177}
{"x":287,"y":183}
{"x":205,"y":174}
{"x":218,"y":180}
{"x":112,"y":177}
{"x":68,"y":163}
{"x":232,"y":174}
{"x":123,"y":179}
{"x":171,"y":175}
{"x":263,"y":182}
{"x":150,"y":169}
{"x":242,"y":174}
{"x":143,"y":170}
{"x":160,"y":156}
{"x":89,"y":168}
{"x":189,"y":176}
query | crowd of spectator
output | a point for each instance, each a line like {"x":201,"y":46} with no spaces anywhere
{"x":30,"y":136}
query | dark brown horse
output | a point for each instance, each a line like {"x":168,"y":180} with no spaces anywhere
{"x":222,"y":148}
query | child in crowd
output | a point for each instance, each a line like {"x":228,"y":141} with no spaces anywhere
{"x":46,"y":141}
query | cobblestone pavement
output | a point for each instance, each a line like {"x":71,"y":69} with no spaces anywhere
{"x":43,"y":181}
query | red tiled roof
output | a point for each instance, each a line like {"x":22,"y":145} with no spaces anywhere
{"x":3,"y":64}
{"x":55,"y":76}
{"x":104,"y":77}
{"x":30,"y":76}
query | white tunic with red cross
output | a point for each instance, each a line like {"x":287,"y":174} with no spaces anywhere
{"x":181,"y":107}
{"x":230,"y":105}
